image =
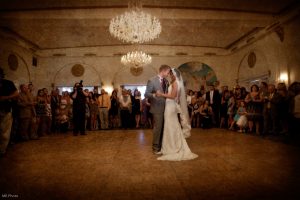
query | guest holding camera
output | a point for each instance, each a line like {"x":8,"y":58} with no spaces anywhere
{"x":79,"y":98}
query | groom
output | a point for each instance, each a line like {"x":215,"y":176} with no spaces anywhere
{"x":157,"y":108}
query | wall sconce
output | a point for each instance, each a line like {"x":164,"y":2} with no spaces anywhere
{"x":283,"y":77}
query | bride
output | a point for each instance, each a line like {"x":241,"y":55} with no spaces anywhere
{"x":174,"y":145}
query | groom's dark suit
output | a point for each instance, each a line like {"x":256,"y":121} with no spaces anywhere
{"x":157,"y":108}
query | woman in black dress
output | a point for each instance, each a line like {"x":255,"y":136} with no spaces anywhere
{"x":114,"y":110}
{"x":136,"y":108}
{"x":224,"y":108}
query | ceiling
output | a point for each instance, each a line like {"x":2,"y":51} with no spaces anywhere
{"x":59,"y":24}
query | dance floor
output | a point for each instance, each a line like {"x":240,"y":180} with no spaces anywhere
{"x":119,"y":164}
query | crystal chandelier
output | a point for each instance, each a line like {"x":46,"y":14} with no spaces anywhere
{"x":136,"y":59}
{"x":135,"y":26}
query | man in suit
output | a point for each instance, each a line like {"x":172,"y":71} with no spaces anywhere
{"x":214,"y":99}
{"x":273,"y":104}
{"x":157,"y":107}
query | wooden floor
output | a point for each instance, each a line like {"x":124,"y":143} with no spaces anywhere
{"x":119,"y":164}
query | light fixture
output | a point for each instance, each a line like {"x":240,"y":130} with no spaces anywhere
{"x":283,"y":77}
{"x":136,"y":59}
{"x":135,"y":26}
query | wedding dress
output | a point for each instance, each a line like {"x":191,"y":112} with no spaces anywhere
{"x":174,"y":145}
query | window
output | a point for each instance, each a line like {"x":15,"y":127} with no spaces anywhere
{"x":141,"y":88}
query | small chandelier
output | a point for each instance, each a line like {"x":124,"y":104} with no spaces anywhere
{"x":135,"y":26}
{"x":136,"y":59}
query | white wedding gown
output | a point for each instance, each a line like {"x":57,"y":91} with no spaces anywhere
{"x":174,"y":145}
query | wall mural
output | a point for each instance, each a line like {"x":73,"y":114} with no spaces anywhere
{"x":197,"y":75}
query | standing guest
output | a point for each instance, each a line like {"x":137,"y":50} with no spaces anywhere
{"x":263,"y":89}
{"x":125,"y":103}
{"x":79,"y":108}
{"x":240,"y":117}
{"x":189,"y":102}
{"x":47,"y":96}
{"x":136,"y":108}
{"x":214,"y":99}
{"x":15,"y":123}
{"x":254,"y":109}
{"x":95,"y":93}
{"x":114,"y":109}
{"x":231,"y":108}
{"x":238,"y":94}
{"x":27,"y":114}
{"x":93,"y":112}
{"x":283,"y":107}
{"x":295,"y":110}
{"x":196,"y":102}
{"x":104,"y":106}
{"x":146,"y":115}
{"x":41,"y":113}
{"x":66,"y":98}
{"x":132,"y":116}
{"x":48,"y":109}
{"x":87,"y":113}
{"x":244,"y":93}
{"x":55,"y":101}
{"x":8,"y":92}
{"x":95,"y":96}
{"x":63,"y":117}
{"x":31,"y":89}
{"x":271,"y":116}
{"x":224,"y":108}
{"x":207,"y":114}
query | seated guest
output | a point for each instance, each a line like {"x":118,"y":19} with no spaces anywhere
{"x":125,"y":106}
{"x":206,"y":113}
{"x":8,"y":92}
{"x":27,"y":114}
{"x":254,"y":108}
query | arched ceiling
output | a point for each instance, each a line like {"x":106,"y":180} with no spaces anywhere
{"x":214,"y":24}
